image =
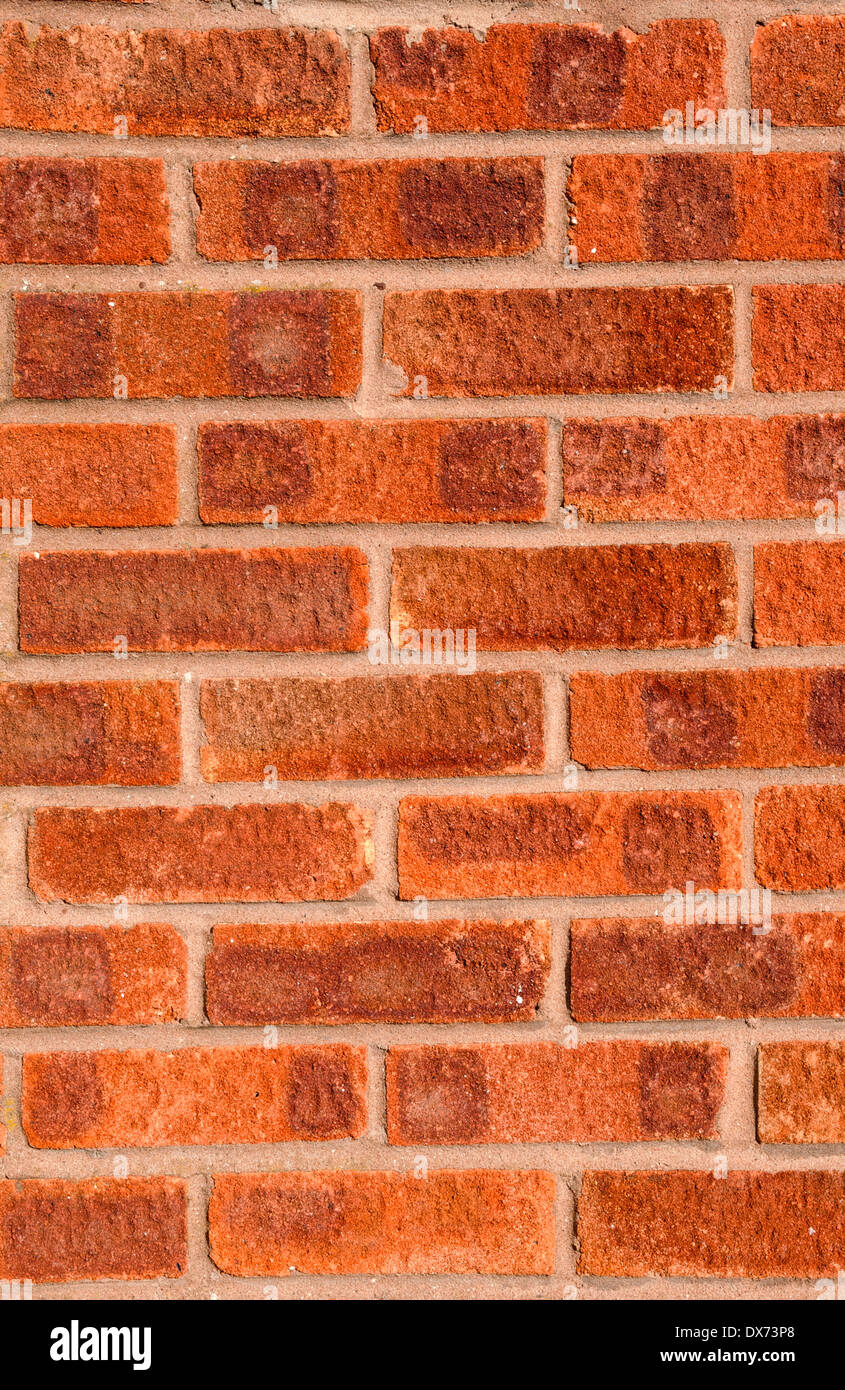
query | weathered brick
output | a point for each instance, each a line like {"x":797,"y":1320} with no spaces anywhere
{"x":545,"y":76}
{"x":53,"y":977}
{"x":760,"y":717}
{"x":796,"y":69}
{"x":83,"y":211}
{"x":181,"y":600}
{"x":373,"y":726}
{"x":625,"y":968}
{"x":705,"y":207}
{"x":799,"y":596}
{"x":691,"y":1224}
{"x":197,"y":1095}
{"x":558,"y":598}
{"x":799,"y":337}
{"x":801,"y":1093}
{"x":693,"y":468}
{"x":273,"y":81}
{"x":124,"y":733}
{"x":92,"y":475}
{"x":449,"y":971}
{"x":529,"y":342}
{"x":400,"y":209}
{"x":471,"y":1222}
{"x":799,"y":837}
{"x":373,"y":470}
{"x":185,"y":343}
{"x":546,"y":1093}
{"x":591,"y":843}
{"x":101,"y":1228}
{"x":281,"y":853}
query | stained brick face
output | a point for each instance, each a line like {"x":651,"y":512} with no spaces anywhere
{"x":422,"y":651}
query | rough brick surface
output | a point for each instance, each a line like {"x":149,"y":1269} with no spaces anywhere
{"x":370,"y":726}
{"x":540,"y":1093}
{"x":744,"y":1225}
{"x":381,"y":972}
{"x":209,"y":1095}
{"x":799,"y":598}
{"x":589,"y":843}
{"x":179,"y":343}
{"x":796,"y":69}
{"x":408,"y":209}
{"x":373,"y":470}
{"x":545,"y":76}
{"x":552,"y":342}
{"x":382,"y":1223}
{"x":799,"y":837}
{"x":282,"y":853}
{"x":181,"y":601}
{"x":625,"y":968}
{"x":56,"y":1232}
{"x":557,"y":598}
{"x":801,"y":1097}
{"x":74,"y":976}
{"x":799,"y":339}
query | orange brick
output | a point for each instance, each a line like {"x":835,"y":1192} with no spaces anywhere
{"x":124,"y":733}
{"x":591,"y":843}
{"x":558,"y":598}
{"x":799,"y":596}
{"x":383,"y":1223}
{"x":92,"y":475}
{"x":799,"y":837}
{"x":181,"y":600}
{"x":373,"y":470}
{"x":796,"y":67}
{"x":799,"y":338}
{"x":185,"y":343}
{"x":402,"y":209}
{"x":528,"y":342}
{"x":762,"y":717}
{"x":281,"y":853}
{"x":378,"y":972}
{"x":373,"y":726}
{"x":545,"y":1093}
{"x":801,"y":1095}
{"x":198,"y":1095}
{"x":687,"y":1224}
{"x":545,"y":76}
{"x":52,"y":977}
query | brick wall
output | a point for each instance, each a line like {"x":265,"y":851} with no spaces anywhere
{"x":330,"y":969}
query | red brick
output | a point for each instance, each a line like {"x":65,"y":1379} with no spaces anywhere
{"x":178,"y":601}
{"x":95,"y":733}
{"x":185,"y":343}
{"x":57,"y":1232}
{"x":281,"y":853}
{"x":801,"y":1096}
{"x":373,"y":726}
{"x":559,"y":598}
{"x":799,"y":594}
{"x":625,"y":968}
{"x":799,"y":337}
{"x":52,"y":977}
{"x":272,"y":81}
{"x":373,"y":470}
{"x":796,"y":69}
{"x":799,"y":837}
{"x":400,"y":209}
{"x":467,"y":1222}
{"x":591,"y":843}
{"x":693,"y":468}
{"x":761,"y":717}
{"x":689,"y":1224}
{"x":378,"y":972}
{"x":705,"y":207}
{"x":83,"y":211}
{"x":529,"y":342}
{"x":198,"y":1095}
{"x":545,"y":1093}
{"x":545,"y":76}
{"x":92,"y":475}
